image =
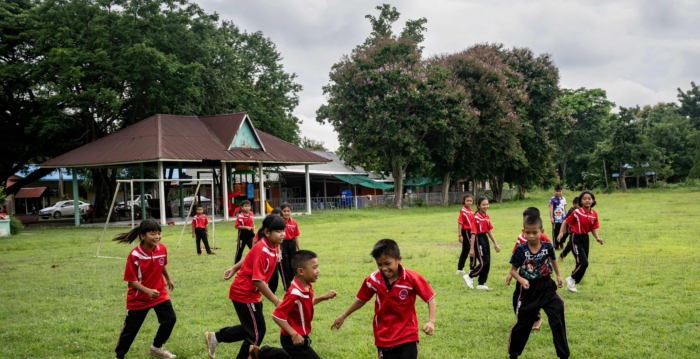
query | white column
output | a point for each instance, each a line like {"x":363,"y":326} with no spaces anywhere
{"x":161,"y":194}
{"x":308,"y":189}
{"x":261,"y":188}
{"x":224,"y":186}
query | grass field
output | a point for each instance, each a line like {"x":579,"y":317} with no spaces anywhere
{"x":640,"y":297}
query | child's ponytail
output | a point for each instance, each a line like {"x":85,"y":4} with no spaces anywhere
{"x":146,"y":226}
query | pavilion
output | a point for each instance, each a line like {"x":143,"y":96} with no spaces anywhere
{"x":167,"y":141}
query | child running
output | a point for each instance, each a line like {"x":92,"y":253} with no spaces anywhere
{"x":395,"y":322}
{"x":250,"y":284}
{"x":464,"y":223}
{"x":532,"y":265}
{"x":481,"y":227}
{"x":147,"y":279}
{"x":557,"y":209}
{"x":200,"y":229}
{"x":581,"y":222}
{"x":245,"y":223}
{"x":289,"y":246}
{"x":564,"y":228}
{"x":295,"y":313}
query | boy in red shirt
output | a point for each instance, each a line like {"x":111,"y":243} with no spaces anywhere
{"x":395,"y":322}
{"x":200,"y":230}
{"x":296,"y":312}
{"x":245,"y":223}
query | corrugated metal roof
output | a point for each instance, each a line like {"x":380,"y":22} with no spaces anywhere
{"x":335,"y":166}
{"x":34,"y":192}
{"x":183,"y":138}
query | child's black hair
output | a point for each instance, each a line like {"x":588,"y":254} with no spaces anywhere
{"x":481,"y":199}
{"x":465,"y":196}
{"x":557,"y":188}
{"x":285,"y":205}
{"x":277,"y":212}
{"x":301,"y":257}
{"x":576,"y":200}
{"x":386,"y":247}
{"x":244,"y":202}
{"x":531,"y":212}
{"x":146,"y":226}
{"x":198,"y":206}
{"x":272,"y":222}
{"x":532,"y":220}
{"x":580,"y":197}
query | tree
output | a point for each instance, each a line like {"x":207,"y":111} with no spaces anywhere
{"x":669,"y":134}
{"x":690,"y":104}
{"x":622,"y":147}
{"x":312,"y":145}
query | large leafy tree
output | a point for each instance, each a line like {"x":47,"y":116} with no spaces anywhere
{"x":670,"y":134}
{"x":690,"y":104}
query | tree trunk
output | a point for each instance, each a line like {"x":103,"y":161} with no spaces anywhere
{"x":521,"y":192}
{"x":563,"y":172}
{"x":397,"y":173}
{"x":446,"y":189}
{"x":623,"y":181}
{"x":475,"y":187}
{"x":497,"y":188}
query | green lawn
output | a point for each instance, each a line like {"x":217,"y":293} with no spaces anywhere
{"x":640,"y":297}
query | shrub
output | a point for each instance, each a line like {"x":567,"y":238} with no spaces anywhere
{"x":15,"y":226}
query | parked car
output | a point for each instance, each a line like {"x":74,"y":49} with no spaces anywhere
{"x":137,"y":201}
{"x":187,"y":201}
{"x":62,"y":208}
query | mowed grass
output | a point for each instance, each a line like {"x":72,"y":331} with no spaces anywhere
{"x":640,"y":297}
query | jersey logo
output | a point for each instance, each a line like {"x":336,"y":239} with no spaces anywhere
{"x":403,"y":294}
{"x":161,"y":261}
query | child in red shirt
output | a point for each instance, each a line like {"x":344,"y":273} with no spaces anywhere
{"x":200,"y":230}
{"x":464,"y":223}
{"x":481,"y":227}
{"x":289,"y":246}
{"x":581,"y":222}
{"x":245,"y":223}
{"x":295,"y":313}
{"x":250,"y":284}
{"x":395,"y":322}
{"x":145,"y":270}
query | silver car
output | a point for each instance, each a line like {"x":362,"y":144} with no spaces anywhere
{"x":62,"y":208}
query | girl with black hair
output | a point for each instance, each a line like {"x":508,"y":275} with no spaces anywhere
{"x":581,"y":222}
{"x":147,"y":279}
{"x":289,"y":246}
{"x":464,"y":232}
{"x":481,"y":250}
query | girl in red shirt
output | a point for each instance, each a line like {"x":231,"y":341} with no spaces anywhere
{"x":481,"y":227}
{"x":289,"y":246}
{"x":464,"y":231}
{"x":147,"y":279}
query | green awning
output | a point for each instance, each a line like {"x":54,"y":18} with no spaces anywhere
{"x":364,"y":182}
{"x":421,"y":182}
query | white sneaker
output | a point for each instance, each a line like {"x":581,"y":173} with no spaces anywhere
{"x":482,"y":287}
{"x":210,"y":339}
{"x":460,"y":272}
{"x":571,"y":284}
{"x":469,"y":280}
{"x":161,"y":353}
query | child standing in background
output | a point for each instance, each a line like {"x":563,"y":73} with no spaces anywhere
{"x":564,"y":229}
{"x":481,"y":250}
{"x":245,"y":223}
{"x":200,"y":229}
{"x":464,"y":223}
{"x":557,"y":211}
{"x":289,"y":246}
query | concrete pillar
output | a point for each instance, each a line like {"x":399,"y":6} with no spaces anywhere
{"x":225,"y":188}
{"x":161,"y":194}
{"x":76,"y":201}
{"x":261,"y":186}
{"x":142,"y":188}
{"x":307,"y":179}
{"x":179,"y":188}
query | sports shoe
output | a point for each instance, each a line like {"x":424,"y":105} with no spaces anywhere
{"x":482,"y":287}
{"x":254,"y":352}
{"x":210,"y":339}
{"x":460,"y":272}
{"x":469,"y":280}
{"x":161,"y":353}
{"x":537,"y":324}
{"x":571,"y":284}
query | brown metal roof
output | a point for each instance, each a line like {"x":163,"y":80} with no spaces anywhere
{"x":183,"y":138}
{"x":35,"y":192}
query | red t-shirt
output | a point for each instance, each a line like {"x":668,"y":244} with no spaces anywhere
{"x":245,"y":220}
{"x":292,"y":230}
{"x":521,"y":239}
{"x":395,"y":321}
{"x":200,"y":221}
{"x":258,"y":265}
{"x":481,"y":223}
{"x":582,"y":222}
{"x":146,"y":267}
{"x":297,"y":308}
{"x":466,"y":216}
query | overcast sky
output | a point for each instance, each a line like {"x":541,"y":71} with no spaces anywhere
{"x":638,"y":51}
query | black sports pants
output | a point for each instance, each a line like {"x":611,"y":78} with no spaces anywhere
{"x":482,"y":251}
{"x":134,"y":319}
{"x":201,"y":234}
{"x":250,"y":331}
{"x":402,"y":351}
{"x":275,"y":279}
{"x":580,"y":247}
{"x":466,"y":234}
{"x":542,"y":294}
{"x":288,"y":248}
{"x":556,"y":228}
{"x":245,"y":238}
{"x":298,"y":352}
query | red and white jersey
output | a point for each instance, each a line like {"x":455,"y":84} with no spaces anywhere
{"x":292,"y":230}
{"x":395,"y":321}
{"x":297,"y":308}
{"x":200,"y":221}
{"x":258,"y":265}
{"x":582,"y":222}
{"x":466,"y":216}
{"x":245,"y":220}
{"x":146,"y":267}
{"x":521,"y":239}
{"x":481,"y":223}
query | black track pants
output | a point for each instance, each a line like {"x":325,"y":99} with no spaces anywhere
{"x":482,"y":251}
{"x":580,"y":247}
{"x":134,"y":319}
{"x":251,"y":330}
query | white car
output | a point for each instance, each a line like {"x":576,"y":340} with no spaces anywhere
{"x":62,"y":208}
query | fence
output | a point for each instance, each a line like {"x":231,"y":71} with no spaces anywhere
{"x":359,"y":202}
